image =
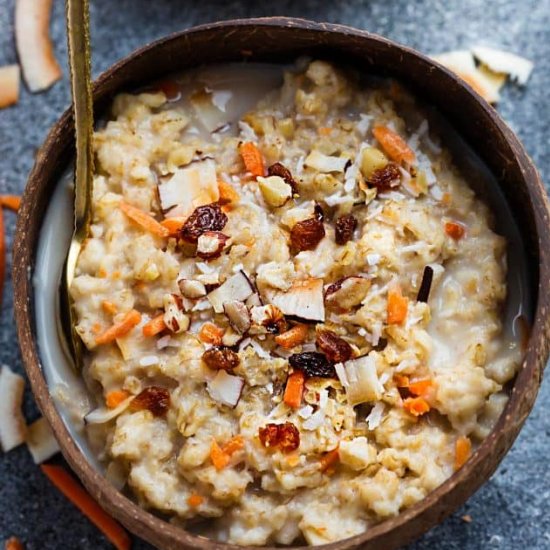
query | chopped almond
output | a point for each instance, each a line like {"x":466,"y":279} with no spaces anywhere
{"x":292,"y":337}
{"x":211,"y":334}
{"x":34,"y":46}
{"x":394,"y":145}
{"x":463,"y":450}
{"x":9,"y":85}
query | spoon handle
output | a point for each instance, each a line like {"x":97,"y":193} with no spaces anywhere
{"x":78,"y":33}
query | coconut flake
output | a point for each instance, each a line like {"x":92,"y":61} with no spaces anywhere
{"x":375,"y":416}
{"x":304,"y":299}
{"x":315,"y":421}
{"x":236,"y":288}
{"x":34,"y":45}
{"x":260,"y":351}
{"x":373,"y":259}
{"x":148,"y":361}
{"x":323,"y":399}
{"x":40,"y":441}
{"x":247,"y":133}
{"x":9,"y":85}
{"x":305,"y":412}
{"x":519,"y":68}
{"x":324,"y":163}
{"x":341,"y":373}
{"x":13,"y":427}
{"x":225,"y":388}
{"x":164,"y":342}
{"x":101,"y":415}
{"x":364,"y":124}
{"x":365,"y":385}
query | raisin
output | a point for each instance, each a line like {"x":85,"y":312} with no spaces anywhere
{"x":313,"y":363}
{"x":278,"y":169}
{"x":205,"y":218}
{"x":307,"y":234}
{"x":221,"y":357}
{"x":345,"y":226}
{"x":154,"y":399}
{"x":335,"y":348}
{"x":385,"y":178}
{"x":318,"y":212}
{"x":283,"y":436}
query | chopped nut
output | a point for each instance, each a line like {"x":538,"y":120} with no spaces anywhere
{"x":192,"y":289}
{"x":275,"y":190}
{"x":238,"y":315}
{"x":347,"y":292}
{"x":372,"y":159}
{"x":211,"y":244}
{"x":174,"y":316}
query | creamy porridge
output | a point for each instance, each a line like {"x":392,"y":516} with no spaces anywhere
{"x":293,"y":313}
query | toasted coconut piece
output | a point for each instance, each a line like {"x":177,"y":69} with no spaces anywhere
{"x":190,"y":187}
{"x":13,"y":428}
{"x":101,"y":415}
{"x":348,"y":292}
{"x":236,"y":288}
{"x":304,"y":299}
{"x":226,"y":388}
{"x":364,"y":385}
{"x":9,"y":85}
{"x":324,"y":163}
{"x":34,"y":46}
{"x":462,"y":63}
{"x":40,"y":441}
{"x":238,"y":315}
{"x":499,"y":61}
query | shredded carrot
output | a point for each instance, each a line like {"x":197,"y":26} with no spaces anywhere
{"x":324,"y":131}
{"x":228,"y":195}
{"x":455,"y":230}
{"x":87,"y":505}
{"x":11,"y":201}
{"x":292,"y":337}
{"x":251,"y":242}
{"x":116,"y":275}
{"x":252,"y":158}
{"x":394,"y":145}
{"x":114,"y":398}
{"x":102,"y":273}
{"x":447,"y":199}
{"x":401,"y":381}
{"x":417,"y":406}
{"x":154,"y":326}
{"x":2,"y":254}
{"x":13,"y":543}
{"x":109,"y":307}
{"x":130,"y":320}
{"x":328,"y":459}
{"x":173,"y":225}
{"x":398,"y":306}
{"x":233,"y":445}
{"x":143,"y":219}
{"x":195,"y":500}
{"x":463,"y":450}
{"x":294,"y":389}
{"x":219,"y":458}
{"x":421,"y":387}
{"x":293,"y":460}
{"x":211,"y":334}
{"x":96,"y":328}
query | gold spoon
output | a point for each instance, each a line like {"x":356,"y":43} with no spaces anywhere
{"x":78,"y":32}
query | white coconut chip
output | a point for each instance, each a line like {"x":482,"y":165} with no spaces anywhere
{"x":315,"y":421}
{"x":9,"y":85}
{"x":40,"y":441}
{"x":499,"y":61}
{"x":375,"y":416}
{"x":34,"y":46}
{"x":13,"y":429}
{"x":102,"y":415}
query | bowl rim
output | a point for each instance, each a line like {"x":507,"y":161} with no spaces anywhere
{"x":392,"y":532}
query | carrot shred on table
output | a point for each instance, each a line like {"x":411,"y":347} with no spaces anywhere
{"x":294,"y":389}
{"x":87,"y":505}
{"x":144,"y":220}
{"x":401,"y":381}
{"x":2,"y":254}
{"x":398,"y":306}
{"x":455,"y":230}
{"x":11,"y":201}
{"x":195,"y":500}
{"x":13,"y":543}
{"x":114,"y":398}
{"x":219,"y":458}
{"x":154,"y":326}
{"x":421,"y":387}
{"x":130,"y":320}
{"x":417,"y":406}
{"x":463,"y":450}
{"x":228,"y":195}
{"x":173,"y":225}
{"x":211,"y":334}
{"x":252,"y":158}
{"x":109,"y":307}
{"x":394,"y":145}
{"x":292,"y":337}
{"x":328,"y":459}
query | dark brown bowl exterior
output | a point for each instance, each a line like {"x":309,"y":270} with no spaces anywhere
{"x":283,"y":39}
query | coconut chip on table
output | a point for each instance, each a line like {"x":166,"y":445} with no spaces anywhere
{"x":489,"y":75}
{"x":9,"y":85}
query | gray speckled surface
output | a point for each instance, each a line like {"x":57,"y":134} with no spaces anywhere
{"x":511,"y":510}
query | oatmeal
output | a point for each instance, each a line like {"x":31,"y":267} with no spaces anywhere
{"x":293,"y":318}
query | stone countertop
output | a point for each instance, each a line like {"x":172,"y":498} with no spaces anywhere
{"x":508,"y":512}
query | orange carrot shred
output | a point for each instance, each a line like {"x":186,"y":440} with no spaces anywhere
{"x":233,"y":445}
{"x":109,"y":307}
{"x":324,"y":131}
{"x":173,"y":225}
{"x":398,"y":306}
{"x":114,"y":398}
{"x":401,"y":381}
{"x":228,"y":195}
{"x":154,"y":326}
{"x":96,"y":328}
{"x":394,"y":145}
{"x":417,"y":406}
{"x":455,"y":230}
{"x":421,"y":387}
{"x":292,"y":337}
{"x":294,"y":389}
{"x":130,"y":320}
{"x":211,"y":334}
{"x":219,"y":458}
{"x":195,"y":500}
{"x":87,"y":505}
{"x":143,"y":219}
{"x":13,"y":543}
{"x":252,"y":158}
{"x":328,"y":460}
{"x":11,"y":201}
{"x":463,"y":450}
